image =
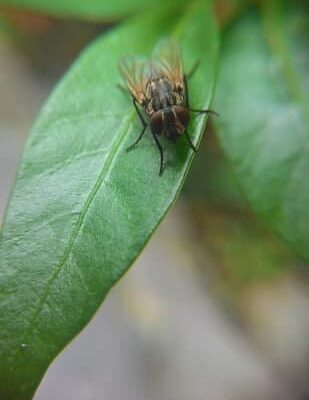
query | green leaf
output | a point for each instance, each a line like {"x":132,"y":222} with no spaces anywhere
{"x":262,"y":98}
{"x":87,"y":9}
{"x":82,"y":208}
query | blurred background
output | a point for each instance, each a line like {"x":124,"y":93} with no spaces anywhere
{"x":215,"y":308}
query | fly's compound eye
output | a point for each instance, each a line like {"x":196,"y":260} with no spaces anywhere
{"x":183,"y":116}
{"x":157,"y":123}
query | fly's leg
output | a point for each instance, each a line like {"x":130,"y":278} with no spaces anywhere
{"x":161,"y":152}
{"x":207,"y":111}
{"x":192,"y":109}
{"x":132,"y":146}
{"x":190,"y":142}
{"x":188,"y":107}
{"x":199,"y":112}
{"x":185,"y":79}
{"x":143,"y":129}
{"x":186,"y":92}
{"x":193,"y":69}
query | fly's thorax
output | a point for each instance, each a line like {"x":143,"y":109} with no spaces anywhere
{"x":161,"y":95}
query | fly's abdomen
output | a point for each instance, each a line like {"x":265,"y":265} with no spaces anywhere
{"x":169,"y":117}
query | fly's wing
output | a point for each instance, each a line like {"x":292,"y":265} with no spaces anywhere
{"x":135,"y":73}
{"x":168,"y":56}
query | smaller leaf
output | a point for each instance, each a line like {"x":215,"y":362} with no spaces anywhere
{"x":262,"y":96}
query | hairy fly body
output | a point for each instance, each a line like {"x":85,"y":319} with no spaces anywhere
{"x":159,"y":87}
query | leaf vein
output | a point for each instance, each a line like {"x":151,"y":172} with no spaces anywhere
{"x":75,"y":231}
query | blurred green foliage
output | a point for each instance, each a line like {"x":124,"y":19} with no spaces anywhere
{"x":263,"y":95}
{"x":245,"y":253}
{"x":94,"y":10}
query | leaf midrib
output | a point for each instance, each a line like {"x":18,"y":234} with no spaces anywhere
{"x":82,"y":215}
{"x":90,"y":198}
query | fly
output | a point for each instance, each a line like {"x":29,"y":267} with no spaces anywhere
{"x":159,"y":87}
